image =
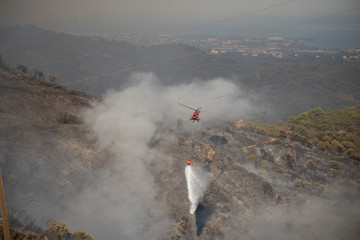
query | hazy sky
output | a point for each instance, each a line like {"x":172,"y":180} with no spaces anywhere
{"x":170,"y":16}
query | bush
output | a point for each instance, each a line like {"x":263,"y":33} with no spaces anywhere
{"x":251,"y":157}
{"x":291,"y":161}
{"x":298,"y":183}
{"x":22,"y":68}
{"x":322,"y":145}
{"x":316,"y":112}
{"x":81,"y":236}
{"x":57,"y":229}
{"x":310,"y":164}
{"x":334,"y":164}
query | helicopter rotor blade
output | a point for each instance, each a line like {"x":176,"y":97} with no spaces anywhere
{"x":188,"y":107}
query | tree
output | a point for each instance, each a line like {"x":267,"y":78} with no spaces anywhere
{"x":39,"y":75}
{"x":315,"y":112}
{"x":292,"y":120}
{"x":53,"y":78}
{"x":81,"y":236}
{"x":22,"y":68}
{"x":58,"y":230}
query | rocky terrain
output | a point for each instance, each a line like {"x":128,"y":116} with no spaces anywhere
{"x":65,"y":156}
{"x":254,"y":176}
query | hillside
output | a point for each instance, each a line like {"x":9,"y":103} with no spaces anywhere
{"x":118,"y":174}
{"x":40,"y":130}
{"x":279,"y":89}
{"x":96,"y":66}
{"x":337,"y":130}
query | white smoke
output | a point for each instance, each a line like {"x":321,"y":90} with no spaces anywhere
{"x":197,"y":182}
{"x":122,"y":202}
{"x":315,"y":219}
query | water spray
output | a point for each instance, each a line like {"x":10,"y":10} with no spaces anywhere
{"x":197,"y":181}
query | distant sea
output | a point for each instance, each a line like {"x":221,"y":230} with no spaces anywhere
{"x":337,"y":38}
{"x":324,"y":36}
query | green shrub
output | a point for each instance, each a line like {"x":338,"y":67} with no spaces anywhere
{"x":81,"y":236}
{"x":251,"y":157}
{"x":310,"y":164}
{"x":334,"y":164}
{"x":57,"y":229}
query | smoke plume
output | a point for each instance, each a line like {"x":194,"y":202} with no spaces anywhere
{"x":121,"y":203}
{"x":316,"y":219}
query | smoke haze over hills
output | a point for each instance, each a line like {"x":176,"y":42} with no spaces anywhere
{"x":161,"y":17}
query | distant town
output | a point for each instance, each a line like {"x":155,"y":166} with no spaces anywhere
{"x":246,"y":48}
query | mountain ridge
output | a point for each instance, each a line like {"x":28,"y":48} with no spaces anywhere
{"x":278,"y":89}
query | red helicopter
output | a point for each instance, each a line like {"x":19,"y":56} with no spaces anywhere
{"x":195,"y":116}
